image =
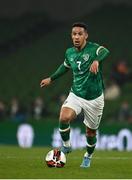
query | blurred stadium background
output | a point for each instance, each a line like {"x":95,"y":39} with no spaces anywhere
{"x":33,"y":39}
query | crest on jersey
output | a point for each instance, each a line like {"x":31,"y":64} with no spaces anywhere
{"x":72,"y":59}
{"x":86,"y":57}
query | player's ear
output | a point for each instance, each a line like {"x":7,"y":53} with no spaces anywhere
{"x":86,"y":35}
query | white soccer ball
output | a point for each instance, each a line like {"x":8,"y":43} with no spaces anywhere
{"x":55,"y":158}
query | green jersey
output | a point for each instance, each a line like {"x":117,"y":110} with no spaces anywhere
{"x":85,"y":83}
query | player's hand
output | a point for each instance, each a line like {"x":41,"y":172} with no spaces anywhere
{"x":45,"y":82}
{"x":94,"y":67}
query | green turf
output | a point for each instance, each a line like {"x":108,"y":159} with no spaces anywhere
{"x":29,"y":163}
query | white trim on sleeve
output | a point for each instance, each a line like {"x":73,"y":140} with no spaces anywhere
{"x":97,"y":51}
{"x":66,"y":65}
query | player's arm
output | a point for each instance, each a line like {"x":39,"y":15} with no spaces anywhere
{"x":101,"y":54}
{"x":62,"y":69}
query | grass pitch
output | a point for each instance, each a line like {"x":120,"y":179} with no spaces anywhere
{"x":17,"y":163}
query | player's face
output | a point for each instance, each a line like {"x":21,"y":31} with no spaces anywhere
{"x":79,"y":37}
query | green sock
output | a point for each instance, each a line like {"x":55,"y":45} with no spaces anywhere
{"x":64,"y":129}
{"x":91,"y":143}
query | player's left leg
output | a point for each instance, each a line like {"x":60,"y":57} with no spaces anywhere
{"x":93,"y":111}
{"x":91,"y":143}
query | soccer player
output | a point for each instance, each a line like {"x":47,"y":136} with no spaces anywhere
{"x":85,"y":60}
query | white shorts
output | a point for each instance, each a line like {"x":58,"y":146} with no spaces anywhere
{"x":93,"y":109}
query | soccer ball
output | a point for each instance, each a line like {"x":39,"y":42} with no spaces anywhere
{"x":55,"y":158}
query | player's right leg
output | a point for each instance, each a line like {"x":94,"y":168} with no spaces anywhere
{"x":66,"y":115}
{"x":70,"y":109}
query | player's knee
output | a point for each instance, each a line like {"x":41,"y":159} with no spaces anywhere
{"x":65,"y":117}
{"x":90,"y":132}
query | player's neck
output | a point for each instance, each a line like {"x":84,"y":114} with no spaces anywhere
{"x":81,"y":47}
